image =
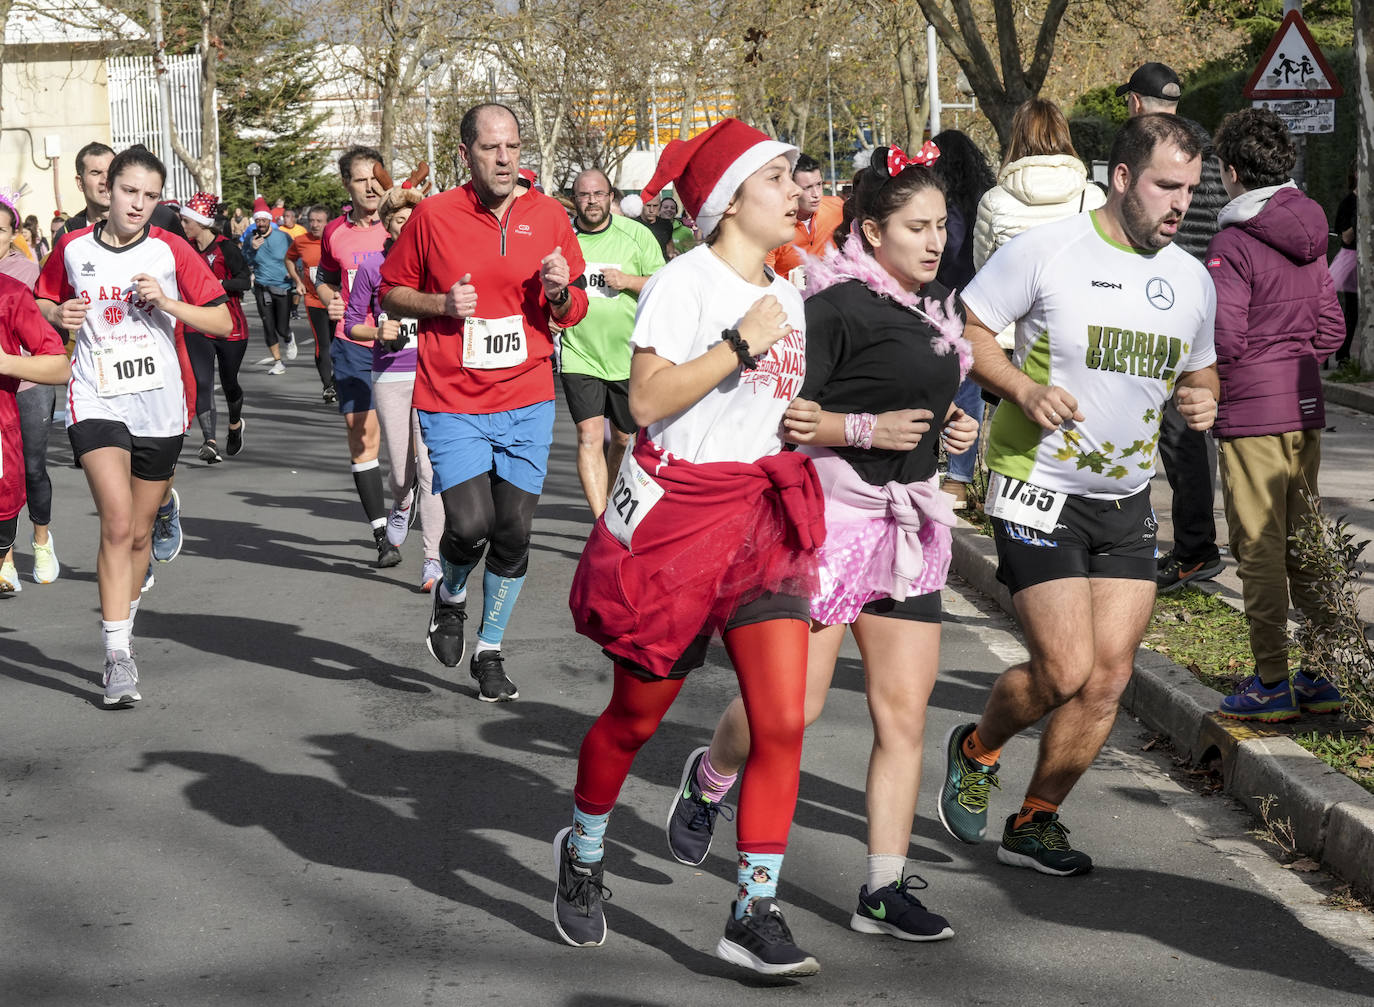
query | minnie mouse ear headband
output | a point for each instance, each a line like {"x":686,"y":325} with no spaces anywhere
{"x":889,"y":162}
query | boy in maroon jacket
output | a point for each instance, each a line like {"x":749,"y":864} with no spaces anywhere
{"x":1277,"y":319}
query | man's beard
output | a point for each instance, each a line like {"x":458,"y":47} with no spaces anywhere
{"x":1139,"y":226}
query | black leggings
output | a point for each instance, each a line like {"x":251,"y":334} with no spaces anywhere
{"x":324,"y":339}
{"x":487,"y":508}
{"x":203,"y":352}
{"x":9,"y":528}
{"x":35,"y":422}
{"x":275,"y":311}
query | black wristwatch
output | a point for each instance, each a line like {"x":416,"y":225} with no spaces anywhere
{"x":741,"y":349}
{"x":561,"y":299}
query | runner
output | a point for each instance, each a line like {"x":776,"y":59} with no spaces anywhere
{"x":302,"y":263}
{"x":1071,"y":464}
{"x":817,"y":217}
{"x":265,"y":247}
{"x":347,"y":242}
{"x":393,"y":388}
{"x":882,"y":337}
{"x":486,"y":268}
{"x":122,"y":286}
{"x":227,"y":265}
{"x":711,"y":527}
{"x":35,"y":403}
{"x":594,"y":366}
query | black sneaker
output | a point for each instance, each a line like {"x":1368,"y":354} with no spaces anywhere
{"x":387,"y":554}
{"x":209,"y":453}
{"x":234,"y":445}
{"x":893,"y":910}
{"x":444,"y":638}
{"x":1041,"y":845}
{"x":691,"y":817}
{"x":489,"y":672}
{"x":761,"y":941}
{"x":1173,"y":572}
{"x":577,"y":897}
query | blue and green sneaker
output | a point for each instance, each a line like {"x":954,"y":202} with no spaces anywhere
{"x":964,"y":797}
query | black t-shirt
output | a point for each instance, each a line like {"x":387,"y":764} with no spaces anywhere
{"x":867,"y":354}
{"x":663,"y":232}
{"x":1345,"y":218}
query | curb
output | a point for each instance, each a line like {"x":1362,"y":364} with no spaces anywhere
{"x":1359,"y":397}
{"x":1332,"y":816}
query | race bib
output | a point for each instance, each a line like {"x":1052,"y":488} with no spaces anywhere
{"x":127,"y":368}
{"x":312,"y":270}
{"x":408,"y":332}
{"x":632,"y":497}
{"x":351,"y":273}
{"x":596,"y":279}
{"x":491,"y":343}
{"x":1018,"y":502}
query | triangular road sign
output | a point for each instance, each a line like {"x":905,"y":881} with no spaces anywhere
{"x":1293,"y":66}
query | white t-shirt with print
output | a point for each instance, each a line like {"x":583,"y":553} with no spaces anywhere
{"x":682,"y":312}
{"x":1114,"y":327}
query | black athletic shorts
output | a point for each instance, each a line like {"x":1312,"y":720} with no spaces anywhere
{"x":764,"y":608}
{"x":916,"y":608}
{"x":9,"y":528}
{"x":1093,"y":538}
{"x":590,"y":397}
{"x":151,"y":459}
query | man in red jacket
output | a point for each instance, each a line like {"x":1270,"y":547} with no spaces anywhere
{"x":485,"y":268}
{"x":1277,"y":319}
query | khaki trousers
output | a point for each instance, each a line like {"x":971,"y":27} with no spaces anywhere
{"x":1263,"y":481}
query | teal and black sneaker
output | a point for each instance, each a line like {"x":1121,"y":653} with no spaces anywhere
{"x":1041,"y":845}
{"x":964,"y":797}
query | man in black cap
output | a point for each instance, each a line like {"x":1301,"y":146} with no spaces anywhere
{"x":1188,"y":462}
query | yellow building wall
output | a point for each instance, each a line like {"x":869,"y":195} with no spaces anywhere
{"x":53,"y":93}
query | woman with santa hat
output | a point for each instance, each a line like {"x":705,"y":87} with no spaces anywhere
{"x":711,"y":528}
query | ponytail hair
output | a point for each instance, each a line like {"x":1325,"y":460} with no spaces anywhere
{"x":877,"y":195}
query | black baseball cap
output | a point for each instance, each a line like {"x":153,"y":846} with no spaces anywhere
{"x":1154,"y":80}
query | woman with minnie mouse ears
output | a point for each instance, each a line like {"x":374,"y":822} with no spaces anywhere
{"x":884,"y":357}
{"x":711,"y":527}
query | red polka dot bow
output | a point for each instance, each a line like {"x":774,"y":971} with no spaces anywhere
{"x":897,"y":159}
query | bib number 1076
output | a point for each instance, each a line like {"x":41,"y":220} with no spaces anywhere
{"x":138,"y":367}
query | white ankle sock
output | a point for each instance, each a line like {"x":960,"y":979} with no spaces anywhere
{"x":884,"y":869}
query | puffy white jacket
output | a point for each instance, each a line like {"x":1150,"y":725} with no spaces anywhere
{"x":1033,"y":190}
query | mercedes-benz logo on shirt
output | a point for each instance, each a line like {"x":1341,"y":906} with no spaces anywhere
{"x":1159,"y":293}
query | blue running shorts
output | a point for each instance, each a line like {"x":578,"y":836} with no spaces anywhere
{"x":513,"y":444}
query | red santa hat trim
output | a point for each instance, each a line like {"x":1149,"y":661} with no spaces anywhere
{"x":709,"y":168}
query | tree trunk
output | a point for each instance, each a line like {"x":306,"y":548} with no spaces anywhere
{"x":1364,"y":186}
{"x":390,"y":88}
{"x":909,"y":78}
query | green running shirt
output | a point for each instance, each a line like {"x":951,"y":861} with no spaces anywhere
{"x":599,"y":345}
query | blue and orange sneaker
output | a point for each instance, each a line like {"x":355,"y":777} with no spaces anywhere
{"x":1253,"y":700}
{"x":1316,"y":695}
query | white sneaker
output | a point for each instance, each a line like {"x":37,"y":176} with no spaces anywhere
{"x":265,"y":361}
{"x":9,"y":578}
{"x":277,"y":368}
{"x":45,"y":565}
{"x":291,"y":350}
{"x":120,"y":679}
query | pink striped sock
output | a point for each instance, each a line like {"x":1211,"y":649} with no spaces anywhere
{"x":713,"y":785}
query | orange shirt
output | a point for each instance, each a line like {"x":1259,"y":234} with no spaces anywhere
{"x":812,"y":237}
{"x":305,"y":253}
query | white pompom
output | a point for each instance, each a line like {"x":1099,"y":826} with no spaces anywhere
{"x":632,"y":205}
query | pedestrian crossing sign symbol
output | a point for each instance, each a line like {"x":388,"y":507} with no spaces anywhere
{"x":1293,"y":66}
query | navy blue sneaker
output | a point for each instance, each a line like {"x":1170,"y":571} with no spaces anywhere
{"x":1253,"y":700}
{"x":1316,"y":695}
{"x":894,"y":911}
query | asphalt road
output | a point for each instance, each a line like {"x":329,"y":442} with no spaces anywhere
{"x":306,"y":808}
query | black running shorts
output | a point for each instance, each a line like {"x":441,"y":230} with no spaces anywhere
{"x":590,"y":397}
{"x":152,"y":459}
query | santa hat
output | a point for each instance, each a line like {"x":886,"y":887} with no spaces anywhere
{"x":529,"y":180}
{"x":201,"y":208}
{"x":709,"y":168}
{"x":260,"y":209}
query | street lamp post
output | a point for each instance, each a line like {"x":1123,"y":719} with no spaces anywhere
{"x":252,"y":169}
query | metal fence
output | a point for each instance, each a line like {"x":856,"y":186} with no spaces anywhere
{"x":135,"y":110}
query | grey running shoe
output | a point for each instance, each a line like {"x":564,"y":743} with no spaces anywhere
{"x":577,"y":897}
{"x":691,"y":817}
{"x":167,"y":532}
{"x":762,"y":941}
{"x":121,"y":679}
{"x":964,"y":797}
{"x":209,"y":453}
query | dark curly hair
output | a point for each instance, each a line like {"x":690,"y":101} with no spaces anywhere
{"x":877,"y":196}
{"x":964,"y":170}
{"x":1258,"y":145}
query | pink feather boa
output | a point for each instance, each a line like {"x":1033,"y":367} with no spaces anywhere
{"x":853,"y":263}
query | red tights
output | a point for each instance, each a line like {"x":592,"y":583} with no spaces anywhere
{"x":770,"y":662}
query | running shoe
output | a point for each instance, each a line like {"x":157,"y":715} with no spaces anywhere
{"x":292,"y":351}
{"x":45,"y":566}
{"x":577,"y":897}
{"x":1316,"y":695}
{"x":277,"y":368}
{"x":398,"y":525}
{"x":1041,"y":845}
{"x":691,"y":817}
{"x":1253,"y":700}
{"x":430,"y":574}
{"x":761,"y":941}
{"x":234,"y":446}
{"x":894,"y":911}
{"x":489,"y":672}
{"x":167,"y":532}
{"x":148,"y":580}
{"x":387,"y":554}
{"x":9,"y":578}
{"x":1173,"y":572}
{"x":444,"y":639}
{"x":329,"y":395}
{"x":964,"y":797}
{"x":210,"y":454}
{"x":121,"y":679}
{"x":265,"y":361}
